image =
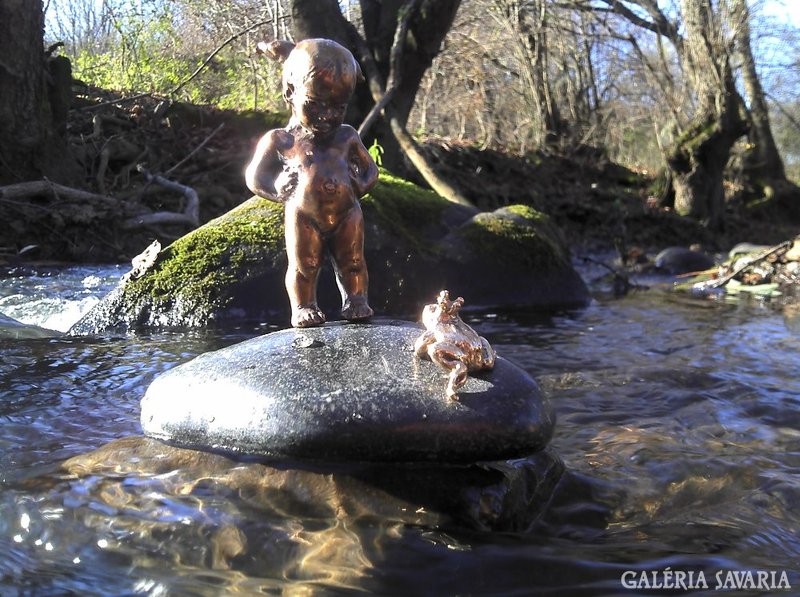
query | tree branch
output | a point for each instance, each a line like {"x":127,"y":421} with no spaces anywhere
{"x":783,"y":111}
{"x":216,"y":51}
{"x":659,"y":24}
{"x":196,"y":72}
{"x":395,"y":60}
{"x":24,"y":190}
{"x":375,"y":82}
{"x":190,"y":215}
{"x":195,"y":150}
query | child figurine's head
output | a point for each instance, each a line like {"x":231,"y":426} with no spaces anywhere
{"x":319,"y":77}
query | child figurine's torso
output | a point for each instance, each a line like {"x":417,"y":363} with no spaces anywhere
{"x":322,"y":169}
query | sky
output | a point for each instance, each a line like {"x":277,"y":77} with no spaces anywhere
{"x":786,"y":9}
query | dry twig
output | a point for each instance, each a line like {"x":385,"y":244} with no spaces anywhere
{"x":190,"y":215}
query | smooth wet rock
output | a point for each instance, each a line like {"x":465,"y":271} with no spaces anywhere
{"x":345,"y":392}
{"x":680,"y":260}
{"x":16,"y":330}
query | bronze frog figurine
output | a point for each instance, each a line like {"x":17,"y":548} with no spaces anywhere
{"x":451,"y":343}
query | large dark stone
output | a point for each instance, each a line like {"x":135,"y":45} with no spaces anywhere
{"x":345,"y":392}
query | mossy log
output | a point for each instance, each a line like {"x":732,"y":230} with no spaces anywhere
{"x":417,"y":243}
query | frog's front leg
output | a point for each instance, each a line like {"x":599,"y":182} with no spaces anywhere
{"x":422,"y":343}
{"x":488,"y":354}
{"x":449,"y":356}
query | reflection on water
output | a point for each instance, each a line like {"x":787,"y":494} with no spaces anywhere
{"x":679,"y":432}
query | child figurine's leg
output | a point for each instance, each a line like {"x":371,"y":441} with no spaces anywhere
{"x":351,"y":268}
{"x":304,"y":248}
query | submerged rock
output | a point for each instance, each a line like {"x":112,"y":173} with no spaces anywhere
{"x":348,"y":393}
{"x":16,"y":330}
{"x":496,"y":496}
{"x":417,"y":243}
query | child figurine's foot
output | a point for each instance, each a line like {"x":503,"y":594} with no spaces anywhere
{"x":306,"y":317}
{"x":356,"y":308}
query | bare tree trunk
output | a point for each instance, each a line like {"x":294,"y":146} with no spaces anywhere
{"x":765,"y":161}
{"x":428,"y":25}
{"x":526,"y":23}
{"x":29,"y":144}
{"x":698,"y":160}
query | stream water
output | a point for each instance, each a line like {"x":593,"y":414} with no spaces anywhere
{"x":678,"y":424}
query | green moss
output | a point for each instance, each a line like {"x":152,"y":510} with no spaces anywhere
{"x":247,"y":121}
{"x":196,"y":273}
{"x":528,"y":213}
{"x":404,"y":209}
{"x":532,"y":243}
{"x":658,"y":186}
{"x":198,"y":269}
{"x":695,"y":135}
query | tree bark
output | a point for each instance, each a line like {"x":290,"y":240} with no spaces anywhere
{"x":428,"y":25}
{"x":697,"y":159}
{"x":764,"y":161}
{"x":30,"y":146}
{"x":701,"y":153}
{"x":697,"y":163}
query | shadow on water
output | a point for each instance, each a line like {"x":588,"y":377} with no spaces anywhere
{"x":677,"y":446}
{"x":136,"y":502}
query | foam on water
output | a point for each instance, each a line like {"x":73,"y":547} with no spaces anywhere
{"x":56,"y":299}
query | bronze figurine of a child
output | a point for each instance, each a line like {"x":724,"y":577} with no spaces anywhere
{"x":319,"y":168}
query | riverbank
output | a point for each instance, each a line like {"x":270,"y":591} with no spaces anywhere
{"x":121,"y":206}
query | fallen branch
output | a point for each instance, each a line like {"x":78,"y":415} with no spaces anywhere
{"x":26,"y":190}
{"x":190,"y":215}
{"x":195,"y":150}
{"x":100,"y":120}
{"x":784,"y":246}
{"x":120,"y":100}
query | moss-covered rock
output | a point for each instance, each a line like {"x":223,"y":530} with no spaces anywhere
{"x":511,"y":257}
{"x":233,"y":267}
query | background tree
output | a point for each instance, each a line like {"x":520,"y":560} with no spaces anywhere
{"x":707,"y":36}
{"x":763,"y":159}
{"x":372,"y":39}
{"x":30,"y":143}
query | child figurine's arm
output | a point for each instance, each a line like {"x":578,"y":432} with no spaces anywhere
{"x":363,"y":171}
{"x":267,"y":166}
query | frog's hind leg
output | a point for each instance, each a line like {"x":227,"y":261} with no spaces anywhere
{"x":445,"y":354}
{"x":457,"y":380}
